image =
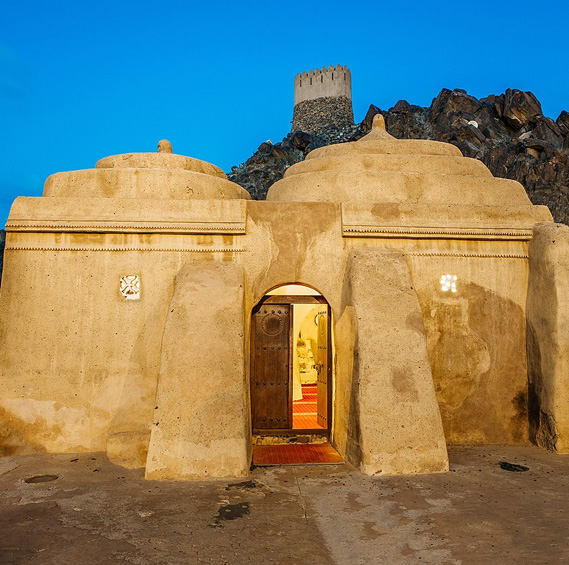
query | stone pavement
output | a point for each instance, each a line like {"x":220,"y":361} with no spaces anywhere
{"x":97,"y":513}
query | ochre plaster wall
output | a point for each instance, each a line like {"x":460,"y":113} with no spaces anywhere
{"x":372,"y":225}
{"x":476,"y":340}
{"x":79,"y":362}
{"x":80,"y":380}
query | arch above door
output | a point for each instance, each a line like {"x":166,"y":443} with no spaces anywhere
{"x":273,"y":358}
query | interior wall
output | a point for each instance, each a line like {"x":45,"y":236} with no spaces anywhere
{"x":305,"y":338}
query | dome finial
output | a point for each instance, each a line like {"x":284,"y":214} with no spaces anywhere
{"x":378,"y":122}
{"x":164,"y":146}
{"x":378,"y":130}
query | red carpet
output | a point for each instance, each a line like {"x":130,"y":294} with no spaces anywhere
{"x":295,"y":454}
{"x":304,"y":411}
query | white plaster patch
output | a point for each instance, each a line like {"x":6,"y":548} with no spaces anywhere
{"x":130,"y":287}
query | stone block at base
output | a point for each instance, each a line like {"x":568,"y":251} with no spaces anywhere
{"x":397,"y":426}
{"x":201,"y":418}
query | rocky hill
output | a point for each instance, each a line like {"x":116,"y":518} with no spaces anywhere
{"x":509,"y":133}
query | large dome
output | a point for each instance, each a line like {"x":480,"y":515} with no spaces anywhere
{"x":380,"y":168}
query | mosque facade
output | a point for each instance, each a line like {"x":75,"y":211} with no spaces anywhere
{"x":151,"y":310}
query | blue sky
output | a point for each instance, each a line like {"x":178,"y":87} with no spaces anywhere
{"x":81,"y":80}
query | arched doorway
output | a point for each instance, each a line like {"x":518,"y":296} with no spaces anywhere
{"x":291,"y":363}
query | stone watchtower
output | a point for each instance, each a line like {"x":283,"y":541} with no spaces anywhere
{"x":323,"y":101}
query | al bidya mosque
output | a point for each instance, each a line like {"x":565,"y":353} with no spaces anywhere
{"x":151,"y":310}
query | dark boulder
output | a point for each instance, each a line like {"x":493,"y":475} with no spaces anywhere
{"x":563,"y":123}
{"x":520,"y":108}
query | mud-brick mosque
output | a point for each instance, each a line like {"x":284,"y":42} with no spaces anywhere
{"x":151,"y":310}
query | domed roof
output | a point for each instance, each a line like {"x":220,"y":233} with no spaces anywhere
{"x":380,"y":168}
{"x":161,"y":175}
{"x":163,"y":159}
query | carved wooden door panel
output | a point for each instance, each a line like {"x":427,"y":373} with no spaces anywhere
{"x":270,"y":375}
{"x":322,"y":363}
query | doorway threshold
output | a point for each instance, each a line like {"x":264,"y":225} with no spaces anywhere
{"x":295,"y":454}
{"x":290,"y":437}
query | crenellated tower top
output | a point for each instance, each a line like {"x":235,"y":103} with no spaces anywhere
{"x":332,"y":81}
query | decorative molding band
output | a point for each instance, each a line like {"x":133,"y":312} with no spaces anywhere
{"x":467,"y":254}
{"x":123,"y":249}
{"x":189,"y":228}
{"x":437,"y":232}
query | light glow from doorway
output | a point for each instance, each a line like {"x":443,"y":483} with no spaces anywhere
{"x":294,"y":289}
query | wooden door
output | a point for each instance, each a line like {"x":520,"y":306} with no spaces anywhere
{"x":271,"y":394}
{"x":322,"y":367}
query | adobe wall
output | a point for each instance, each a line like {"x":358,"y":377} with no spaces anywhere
{"x":88,"y":380}
{"x":548,"y":336}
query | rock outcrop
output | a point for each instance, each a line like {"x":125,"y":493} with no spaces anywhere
{"x":509,"y":133}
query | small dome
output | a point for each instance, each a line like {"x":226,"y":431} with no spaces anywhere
{"x":163,"y":159}
{"x":161,"y":175}
{"x":380,"y":168}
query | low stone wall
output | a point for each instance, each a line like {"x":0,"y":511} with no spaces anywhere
{"x":329,"y":112}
